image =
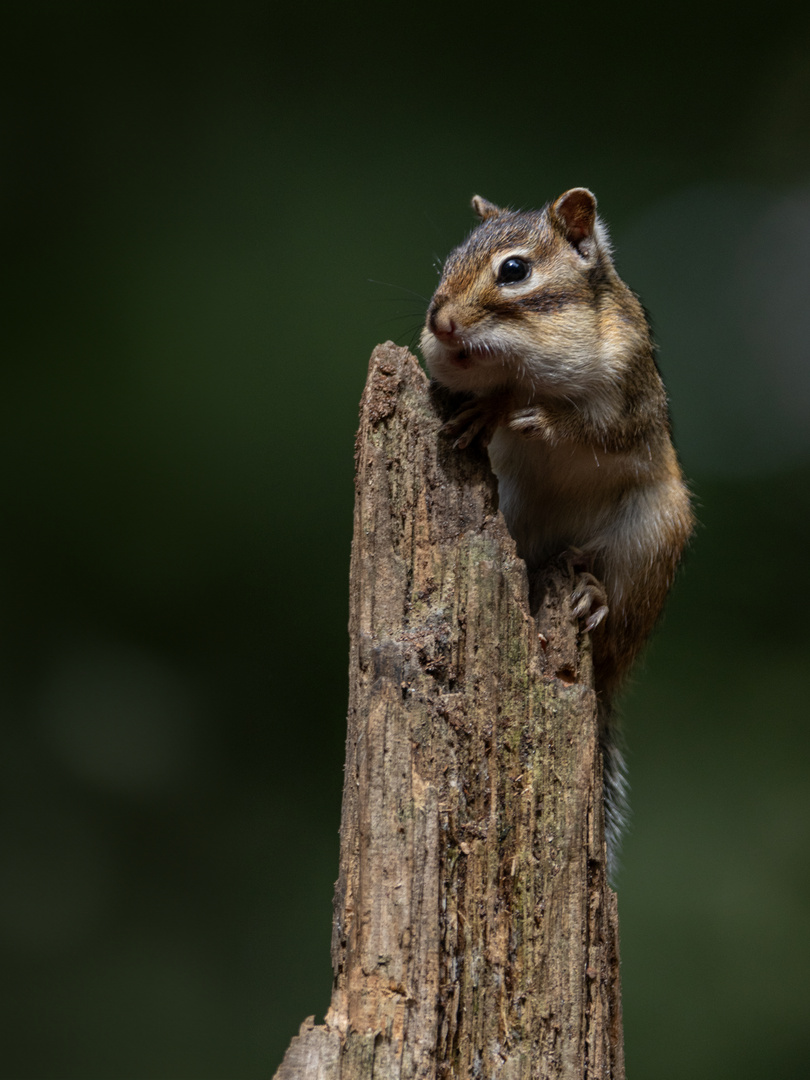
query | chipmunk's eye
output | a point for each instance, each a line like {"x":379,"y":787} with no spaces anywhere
{"x":512,"y":270}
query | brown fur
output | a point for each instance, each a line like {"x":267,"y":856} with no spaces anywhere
{"x":564,"y":388}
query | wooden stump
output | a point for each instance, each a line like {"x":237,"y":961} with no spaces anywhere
{"x":475,"y":934}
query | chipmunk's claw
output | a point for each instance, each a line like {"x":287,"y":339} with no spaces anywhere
{"x":476,"y":420}
{"x":589,"y":597}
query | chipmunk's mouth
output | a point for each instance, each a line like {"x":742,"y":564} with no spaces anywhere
{"x":461,"y":355}
{"x":462,"y":358}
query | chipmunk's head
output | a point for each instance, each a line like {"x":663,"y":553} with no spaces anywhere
{"x":520,"y":299}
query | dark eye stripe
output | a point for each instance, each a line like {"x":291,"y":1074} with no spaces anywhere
{"x":550,"y":300}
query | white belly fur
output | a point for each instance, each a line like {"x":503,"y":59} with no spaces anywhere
{"x":555,"y":497}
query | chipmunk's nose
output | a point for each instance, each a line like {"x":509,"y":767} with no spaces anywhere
{"x":440,"y":321}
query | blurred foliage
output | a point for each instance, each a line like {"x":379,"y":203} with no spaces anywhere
{"x":198,"y":204}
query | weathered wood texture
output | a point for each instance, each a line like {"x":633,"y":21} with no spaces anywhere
{"x":475,"y":934}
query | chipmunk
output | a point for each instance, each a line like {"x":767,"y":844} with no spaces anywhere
{"x":532,"y":321}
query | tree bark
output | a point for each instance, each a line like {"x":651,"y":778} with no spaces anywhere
{"x":475,"y":934}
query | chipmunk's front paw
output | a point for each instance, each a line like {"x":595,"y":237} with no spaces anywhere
{"x":531,"y":423}
{"x":589,"y":597}
{"x":475,"y":420}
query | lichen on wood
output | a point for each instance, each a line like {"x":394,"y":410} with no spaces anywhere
{"x":475,"y":934}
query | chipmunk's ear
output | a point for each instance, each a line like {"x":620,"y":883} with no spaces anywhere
{"x":576,"y":212}
{"x":484,"y":209}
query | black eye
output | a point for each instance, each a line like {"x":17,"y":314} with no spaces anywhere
{"x":512,"y":270}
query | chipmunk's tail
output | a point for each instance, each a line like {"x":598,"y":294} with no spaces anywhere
{"x":614,"y":784}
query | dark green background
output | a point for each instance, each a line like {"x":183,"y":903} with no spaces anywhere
{"x":193,"y":200}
